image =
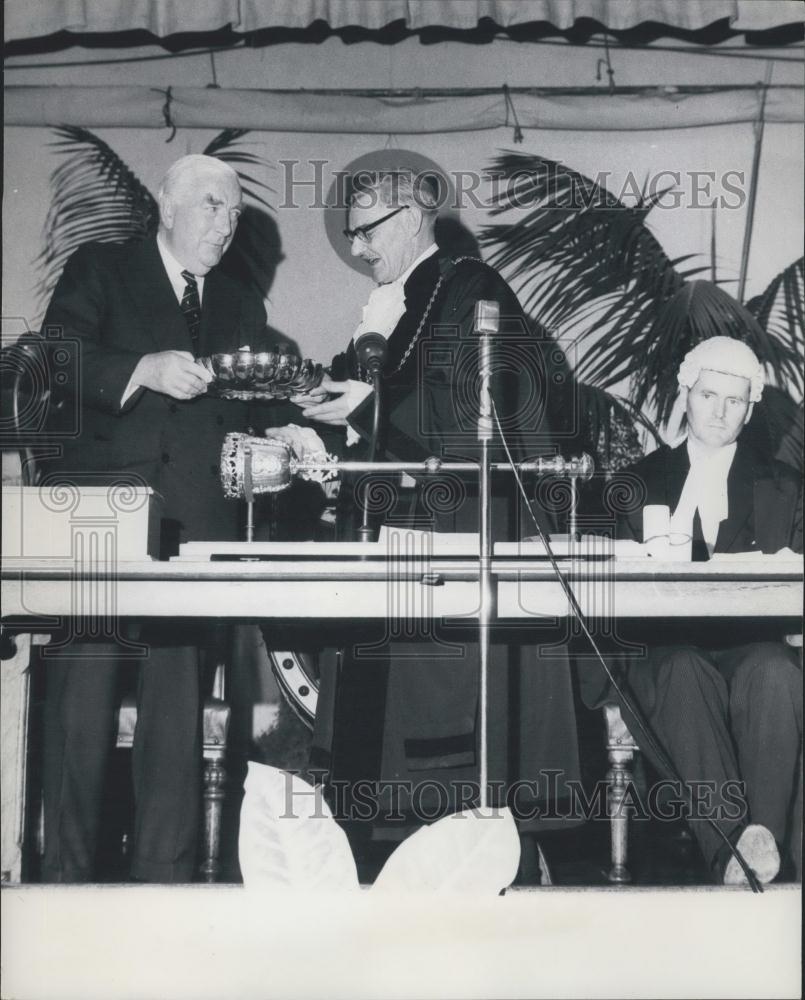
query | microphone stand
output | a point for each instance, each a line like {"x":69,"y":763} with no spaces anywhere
{"x":486,"y":322}
{"x":366,"y":533}
{"x":372,"y":349}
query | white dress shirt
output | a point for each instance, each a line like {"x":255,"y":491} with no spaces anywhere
{"x":174,"y":270}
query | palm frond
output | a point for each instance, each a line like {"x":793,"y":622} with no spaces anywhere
{"x":662,"y":334}
{"x":610,"y":427}
{"x":255,"y":251}
{"x":584,"y":261}
{"x":776,"y":427}
{"x":780,"y":310}
{"x":587,"y":418}
{"x":574,"y":242}
{"x":96,"y":197}
{"x":225,"y":147}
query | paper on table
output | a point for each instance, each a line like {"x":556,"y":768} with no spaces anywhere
{"x":784,"y":555}
{"x":467,"y":543}
{"x":411,"y":540}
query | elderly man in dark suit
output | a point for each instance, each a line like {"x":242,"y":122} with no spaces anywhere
{"x":727,"y":708}
{"x":402,"y":713}
{"x":141,"y":314}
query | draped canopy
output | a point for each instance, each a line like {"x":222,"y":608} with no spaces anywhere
{"x":163,"y":18}
{"x":144,"y":107}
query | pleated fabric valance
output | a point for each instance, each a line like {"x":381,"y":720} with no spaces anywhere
{"x":37,"y":18}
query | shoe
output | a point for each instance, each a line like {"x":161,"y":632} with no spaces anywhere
{"x":759,"y":850}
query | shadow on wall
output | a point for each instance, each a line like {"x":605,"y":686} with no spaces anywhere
{"x":256,"y":250}
{"x":455,"y":239}
{"x":254,"y":257}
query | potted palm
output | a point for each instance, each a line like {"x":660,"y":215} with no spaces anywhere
{"x":586,"y":266}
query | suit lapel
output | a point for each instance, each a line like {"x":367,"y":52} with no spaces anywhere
{"x":773,"y":513}
{"x":676,"y":472}
{"x":147,"y":282}
{"x":735,"y":532}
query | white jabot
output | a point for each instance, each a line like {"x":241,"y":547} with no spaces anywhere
{"x":174,"y":270}
{"x":386,"y":303}
{"x":705,"y":489}
{"x":384,"y":310}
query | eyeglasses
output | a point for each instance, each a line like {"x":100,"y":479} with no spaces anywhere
{"x":362,"y":232}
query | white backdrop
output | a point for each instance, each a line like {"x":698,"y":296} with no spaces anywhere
{"x":315,"y":297}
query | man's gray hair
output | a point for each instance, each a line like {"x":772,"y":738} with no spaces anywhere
{"x":191,"y":167}
{"x":394,"y":188}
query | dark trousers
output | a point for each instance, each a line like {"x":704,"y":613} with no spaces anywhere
{"x":79,"y":730}
{"x":729,"y":715}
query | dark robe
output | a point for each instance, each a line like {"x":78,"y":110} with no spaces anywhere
{"x":405,"y":708}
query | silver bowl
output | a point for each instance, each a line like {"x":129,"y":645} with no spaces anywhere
{"x":261,"y":375}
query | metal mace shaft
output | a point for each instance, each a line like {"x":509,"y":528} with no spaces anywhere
{"x":248,"y":492}
{"x":487,"y":595}
{"x":581,"y":468}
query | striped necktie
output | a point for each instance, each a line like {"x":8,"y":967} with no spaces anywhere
{"x":191,"y":306}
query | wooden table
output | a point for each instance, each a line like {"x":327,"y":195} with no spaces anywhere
{"x":41,"y":596}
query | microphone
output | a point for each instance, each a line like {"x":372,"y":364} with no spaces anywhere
{"x":372,"y":350}
{"x":486,"y":321}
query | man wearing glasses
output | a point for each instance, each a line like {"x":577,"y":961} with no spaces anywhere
{"x":401,"y":715}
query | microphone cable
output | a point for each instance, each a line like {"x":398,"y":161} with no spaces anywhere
{"x":650,"y":739}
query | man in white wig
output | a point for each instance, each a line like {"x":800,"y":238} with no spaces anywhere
{"x":728,"y":706}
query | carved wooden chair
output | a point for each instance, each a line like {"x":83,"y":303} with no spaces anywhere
{"x":621,"y":748}
{"x":215,"y":729}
